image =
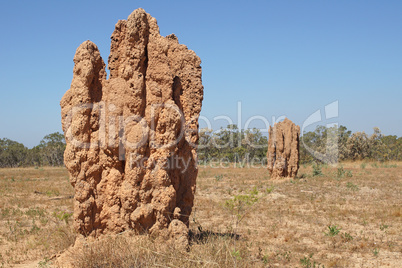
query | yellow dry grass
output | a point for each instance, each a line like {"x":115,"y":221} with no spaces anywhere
{"x":35,"y":214}
{"x":348,"y":217}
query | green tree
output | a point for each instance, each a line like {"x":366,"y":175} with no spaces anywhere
{"x":378,"y":150}
{"x":255,"y":143}
{"x":393,"y":146}
{"x":232,"y":144}
{"x":12,"y":153}
{"x":33,"y":157}
{"x":206,"y":150}
{"x":343,"y":136}
{"x":324,"y":144}
{"x":51,"y":149}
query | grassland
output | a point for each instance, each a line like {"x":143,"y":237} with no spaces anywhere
{"x":348,"y":216}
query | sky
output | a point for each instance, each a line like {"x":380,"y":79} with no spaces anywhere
{"x":261,"y":60}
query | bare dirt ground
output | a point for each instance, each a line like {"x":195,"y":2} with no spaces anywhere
{"x":350,"y":216}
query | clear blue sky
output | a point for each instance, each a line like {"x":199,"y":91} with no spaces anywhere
{"x":277,"y":57}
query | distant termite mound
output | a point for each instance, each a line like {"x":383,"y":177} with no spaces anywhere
{"x":283,"y":150}
{"x":131,"y":139}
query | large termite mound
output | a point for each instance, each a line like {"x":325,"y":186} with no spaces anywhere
{"x":131,"y":139}
{"x":283,"y":149}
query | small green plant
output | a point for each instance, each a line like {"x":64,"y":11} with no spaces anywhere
{"x":347,"y":237}
{"x":62,"y":215}
{"x":236,"y":254}
{"x":376,"y":251}
{"x":5,"y":212}
{"x":383,"y":227}
{"x":333,"y":230}
{"x":35,"y":212}
{"x":363,"y":165}
{"x":384,"y":165}
{"x":239,"y":205}
{"x":218,"y":177}
{"x":254,"y":192}
{"x":265,"y":259}
{"x":309,"y":263}
{"x":374,"y":165}
{"x":286,"y":255}
{"x":52,"y":193}
{"x":341,"y":172}
{"x":317,"y":171}
{"x":269,"y":189}
{"x":34,"y":229}
{"x":44,"y":263}
{"x":306,"y":262}
{"x":352,"y":186}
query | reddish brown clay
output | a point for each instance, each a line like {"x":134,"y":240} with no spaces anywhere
{"x":283,"y":150}
{"x":131,"y":150}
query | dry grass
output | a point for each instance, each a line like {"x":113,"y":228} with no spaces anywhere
{"x":35,"y":212}
{"x":349,"y":217}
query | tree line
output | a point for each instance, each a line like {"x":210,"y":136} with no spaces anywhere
{"x":324,"y":144}
{"x":338,"y":143}
{"x":49,"y":152}
{"x":231,"y":145}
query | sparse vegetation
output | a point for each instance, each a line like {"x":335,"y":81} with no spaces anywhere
{"x":347,"y":237}
{"x":218,"y":177}
{"x":352,"y":186}
{"x":240,"y":205}
{"x":31,"y":223}
{"x":269,"y":189}
{"x":383,"y":227}
{"x":62,"y":215}
{"x":317,"y":171}
{"x":309,"y":263}
{"x":333,"y":230}
{"x":341,"y":172}
{"x":281,"y":223}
